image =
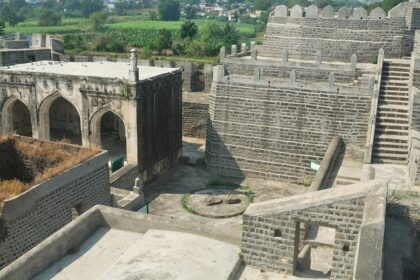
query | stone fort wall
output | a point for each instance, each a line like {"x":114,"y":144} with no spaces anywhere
{"x":337,"y":38}
{"x":194,"y":114}
{"x":272,"y":128}
{"x":32,"y":216}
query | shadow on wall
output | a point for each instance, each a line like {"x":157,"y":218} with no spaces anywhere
{"x":401,"y":244}
{"x":218,"y":157}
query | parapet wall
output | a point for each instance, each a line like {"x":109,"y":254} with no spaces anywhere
{"x":337,"y":38}
{"x":414,"y":155}
{"x":272,"y":128}
{"x":34,"y":215}
{"x":272,"y":230}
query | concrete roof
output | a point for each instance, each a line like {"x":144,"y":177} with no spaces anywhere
{"x":103,"y":69}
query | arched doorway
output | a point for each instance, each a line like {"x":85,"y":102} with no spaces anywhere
{"x":21,"y":119}
{"x":112,"y":135}
{"x":64,"y":122}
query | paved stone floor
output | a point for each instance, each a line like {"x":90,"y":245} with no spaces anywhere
{"x":166,"y":192}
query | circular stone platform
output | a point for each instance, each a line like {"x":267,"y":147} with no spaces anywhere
{"x":217,"y":203}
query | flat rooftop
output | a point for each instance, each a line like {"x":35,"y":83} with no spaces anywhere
{"x":103,"y":69}
{"x":157,"y":254}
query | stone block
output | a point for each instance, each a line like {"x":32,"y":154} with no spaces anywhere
{"x":328,"y":12}
{"x":377,"y":13}
{"x":360,"y":13}
{"x":234,"y":50}
{"x":296,"y":11}
{"x":280,"y":11}
{"x":312,"y":11}
{"x":344,"y":12}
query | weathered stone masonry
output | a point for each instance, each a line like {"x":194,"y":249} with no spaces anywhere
{"x":273,"y":128}
{"x":194,"y":114}
{"x":336,"y":38}
{"x":272,"y":230}
{"x":34,"y":215}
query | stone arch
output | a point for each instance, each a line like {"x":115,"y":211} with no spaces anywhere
{"x":344,"y":12}
{"x":16,"y":117}
{"x":98,"y":136}
{"x":45,"y":124}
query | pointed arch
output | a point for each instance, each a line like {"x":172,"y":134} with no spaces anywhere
{"x":109,"y":130}
{"x":44,"y":110}
{"x":16,"y":117}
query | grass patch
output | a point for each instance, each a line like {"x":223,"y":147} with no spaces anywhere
{"x":54,"y":158}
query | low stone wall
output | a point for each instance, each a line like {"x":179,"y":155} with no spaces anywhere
{"x":18,"y":56}
{"x":125,"y":177}
{"x":72,"y":235}
{"x":271,"y":229}
{"x":194,"y":114}
{"x":34,"y":215}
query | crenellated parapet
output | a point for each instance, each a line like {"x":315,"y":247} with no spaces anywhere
{"x":359,"y":13}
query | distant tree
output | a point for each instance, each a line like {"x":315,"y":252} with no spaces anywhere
{"x":169,"y":10}
{"x":190,"y":11}
{"x":90,"y":6}
{"x":303,"y":3}
{"x":153,"y":15}
{"x":389,"y":4}
{"x":213,"y":37}
{"x":163,"y":40}
{"x":97,"y":20}
{"x":189,"y":29}
{"x":48,"y":17}
{"x":121,"y":7}
{"x":10,"y":15}
{"x":262,"y":5}
{"x":2,"y":26}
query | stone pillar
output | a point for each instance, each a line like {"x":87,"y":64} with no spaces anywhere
{"x":222,"y":53}
{"x":218,"y":73}
{"x":285,"y":56}
{"x":253,"y":44}
{"x":254,"y":53}
{"x":331,"y":79}
{"x":318,"y":57}
{"x":134,"y":70}
{"x":354,"y":62}
{"x":243,"y":47}
{"x":257,"y":73}
{"x":84,"y":123}
{"x":138,"y":186}
{"x":234,"y":50}
{"x":293,"y":76}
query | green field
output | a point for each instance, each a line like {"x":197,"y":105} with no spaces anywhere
{"x":76,"y":25}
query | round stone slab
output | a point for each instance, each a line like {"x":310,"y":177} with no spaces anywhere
{"x":218,"y":202}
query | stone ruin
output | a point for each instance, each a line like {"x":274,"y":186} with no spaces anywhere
{"x":18,"y":48}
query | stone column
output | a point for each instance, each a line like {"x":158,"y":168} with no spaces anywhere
{"x":134,"y":70}
{"x":84,"y":122}
{"x":234,"y":50}
{"x":222,"y":53}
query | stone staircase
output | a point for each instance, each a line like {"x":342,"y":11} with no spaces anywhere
{"x":392,"y":119}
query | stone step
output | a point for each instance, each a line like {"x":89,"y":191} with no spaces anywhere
{"x":392,"y":126}
{"x":393,"y":98}
{"x":391,"y":145}
{"x":392,"y":138}
{"x":388,"y":73}
{"x":390,"y":131}
{"x":393,"y":108}
{"x":394,"y":88}
{"x":393,"y":156}
{"x":377,"y":159}
{"x":391,"y":120}
{"x":389,"y":150}
{"x":400,"y":117}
